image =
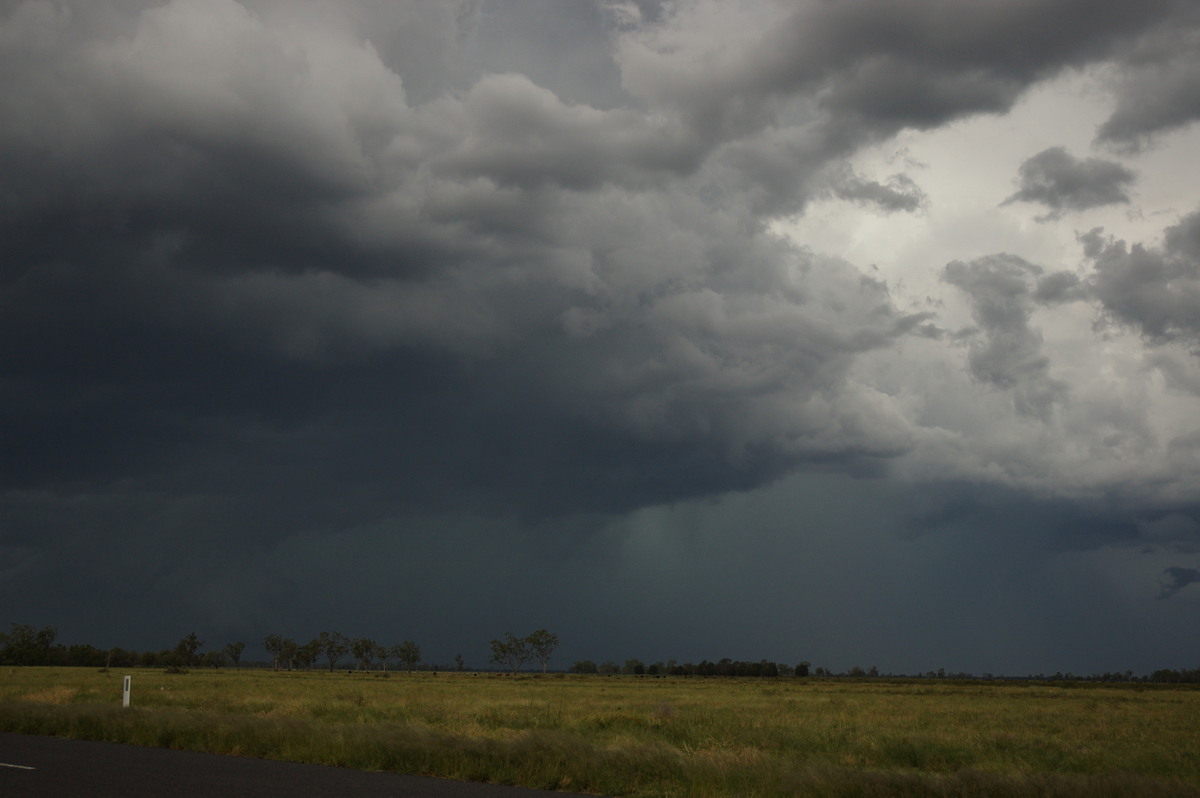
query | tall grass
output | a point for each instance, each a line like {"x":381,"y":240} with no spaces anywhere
{"x":650,"y":737}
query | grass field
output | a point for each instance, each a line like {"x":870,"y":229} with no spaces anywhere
{"x":650,"y":737}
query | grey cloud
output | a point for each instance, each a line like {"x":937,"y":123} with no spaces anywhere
{"x":1062,"y":182}
{"x":804,"y":85}
{"x":1159,"y":89}
{"x":1180,"y":369}
{"x":219,"y":253}
{"x":522,"y":134}
{"x":1154,"y":289}
{"x":887,"y":66}
{"x":899,"y":193}
{"x":1060,"y":287}
{"x":1011,"y":356}
{"x":1176,"y":579}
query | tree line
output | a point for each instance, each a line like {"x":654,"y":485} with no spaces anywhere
{"x":26,"y":645}
{"x":724,"y":667}
{"x":331,"y":647}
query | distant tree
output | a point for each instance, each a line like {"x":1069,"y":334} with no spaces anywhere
{"x":291,"y":652}
{"x":512,"y":651}
{"x":120,"y":658}
{"x":584,"y":666}
{"x":633,"y":666}
{"x":802,"y":669}
{"x":409,"y":653}
{"x":307,"y":654}
{"x":458,"y":662}
{"x":188,"y":650}
{"x":608,"y":667}
{"x":274,"y":646}
{"x":77,"y":655}
{"x":24,"y":645}
{"x":363,"y":651}
{"x":333,"y":646}
{"x":234,"y":652}
{"x":541,"y":643}
{"x":213,"y":659}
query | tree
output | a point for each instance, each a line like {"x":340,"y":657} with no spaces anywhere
{"x":188,"y":649}
{"x":458,"y":662}
{"x":274,"y":646}
{"x":540,"y":644}
{"x":307,"y":654}
{"x":24,"y":645}
{"x":363,"y":651}
{"x":290,"y":653}
{"x":583,"y":666}
{"x":802,"y":669}
{"x":333,"y":646}
{"x":234,"y":652}
{"x":409,"y":653}
{"x":512,"y":651}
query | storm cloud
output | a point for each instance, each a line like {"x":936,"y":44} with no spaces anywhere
{"x":1176,"y":579}
{"x":308,"y":290}
{"x":1062,"y":182}
{"x":1156,"y":289}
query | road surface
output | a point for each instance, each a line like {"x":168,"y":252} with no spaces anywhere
{"x":50,"y":767}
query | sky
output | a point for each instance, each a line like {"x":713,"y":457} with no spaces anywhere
{"x":861,"y":333}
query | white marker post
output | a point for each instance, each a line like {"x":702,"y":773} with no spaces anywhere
{"x":125,"y":694}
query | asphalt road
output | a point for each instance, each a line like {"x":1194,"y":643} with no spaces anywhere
{"x":49,"y":767}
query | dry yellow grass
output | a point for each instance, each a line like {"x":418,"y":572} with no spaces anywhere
{"x":652,"y":737}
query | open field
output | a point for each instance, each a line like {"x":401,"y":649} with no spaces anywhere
{"x":650,"y":737}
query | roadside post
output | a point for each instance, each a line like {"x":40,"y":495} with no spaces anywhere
{"x":125,"y":692}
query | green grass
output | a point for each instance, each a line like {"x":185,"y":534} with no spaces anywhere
{"x":650,"y":737}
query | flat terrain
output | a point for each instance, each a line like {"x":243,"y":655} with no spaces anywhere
{"x":649,"y":737}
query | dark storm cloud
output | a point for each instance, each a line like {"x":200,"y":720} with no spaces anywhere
{"x":1062,"y":182}
{"x":829,"y":77}
{"x":234,"y":225}
{"x":916,"y":64}
{"x":1157,"y":290}
{"x":1159,"y":91}
{"x":226,"y":222}
{"x":1011,"y":354}
{"x":282,"y":276}
{"x":1175,"y":579}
